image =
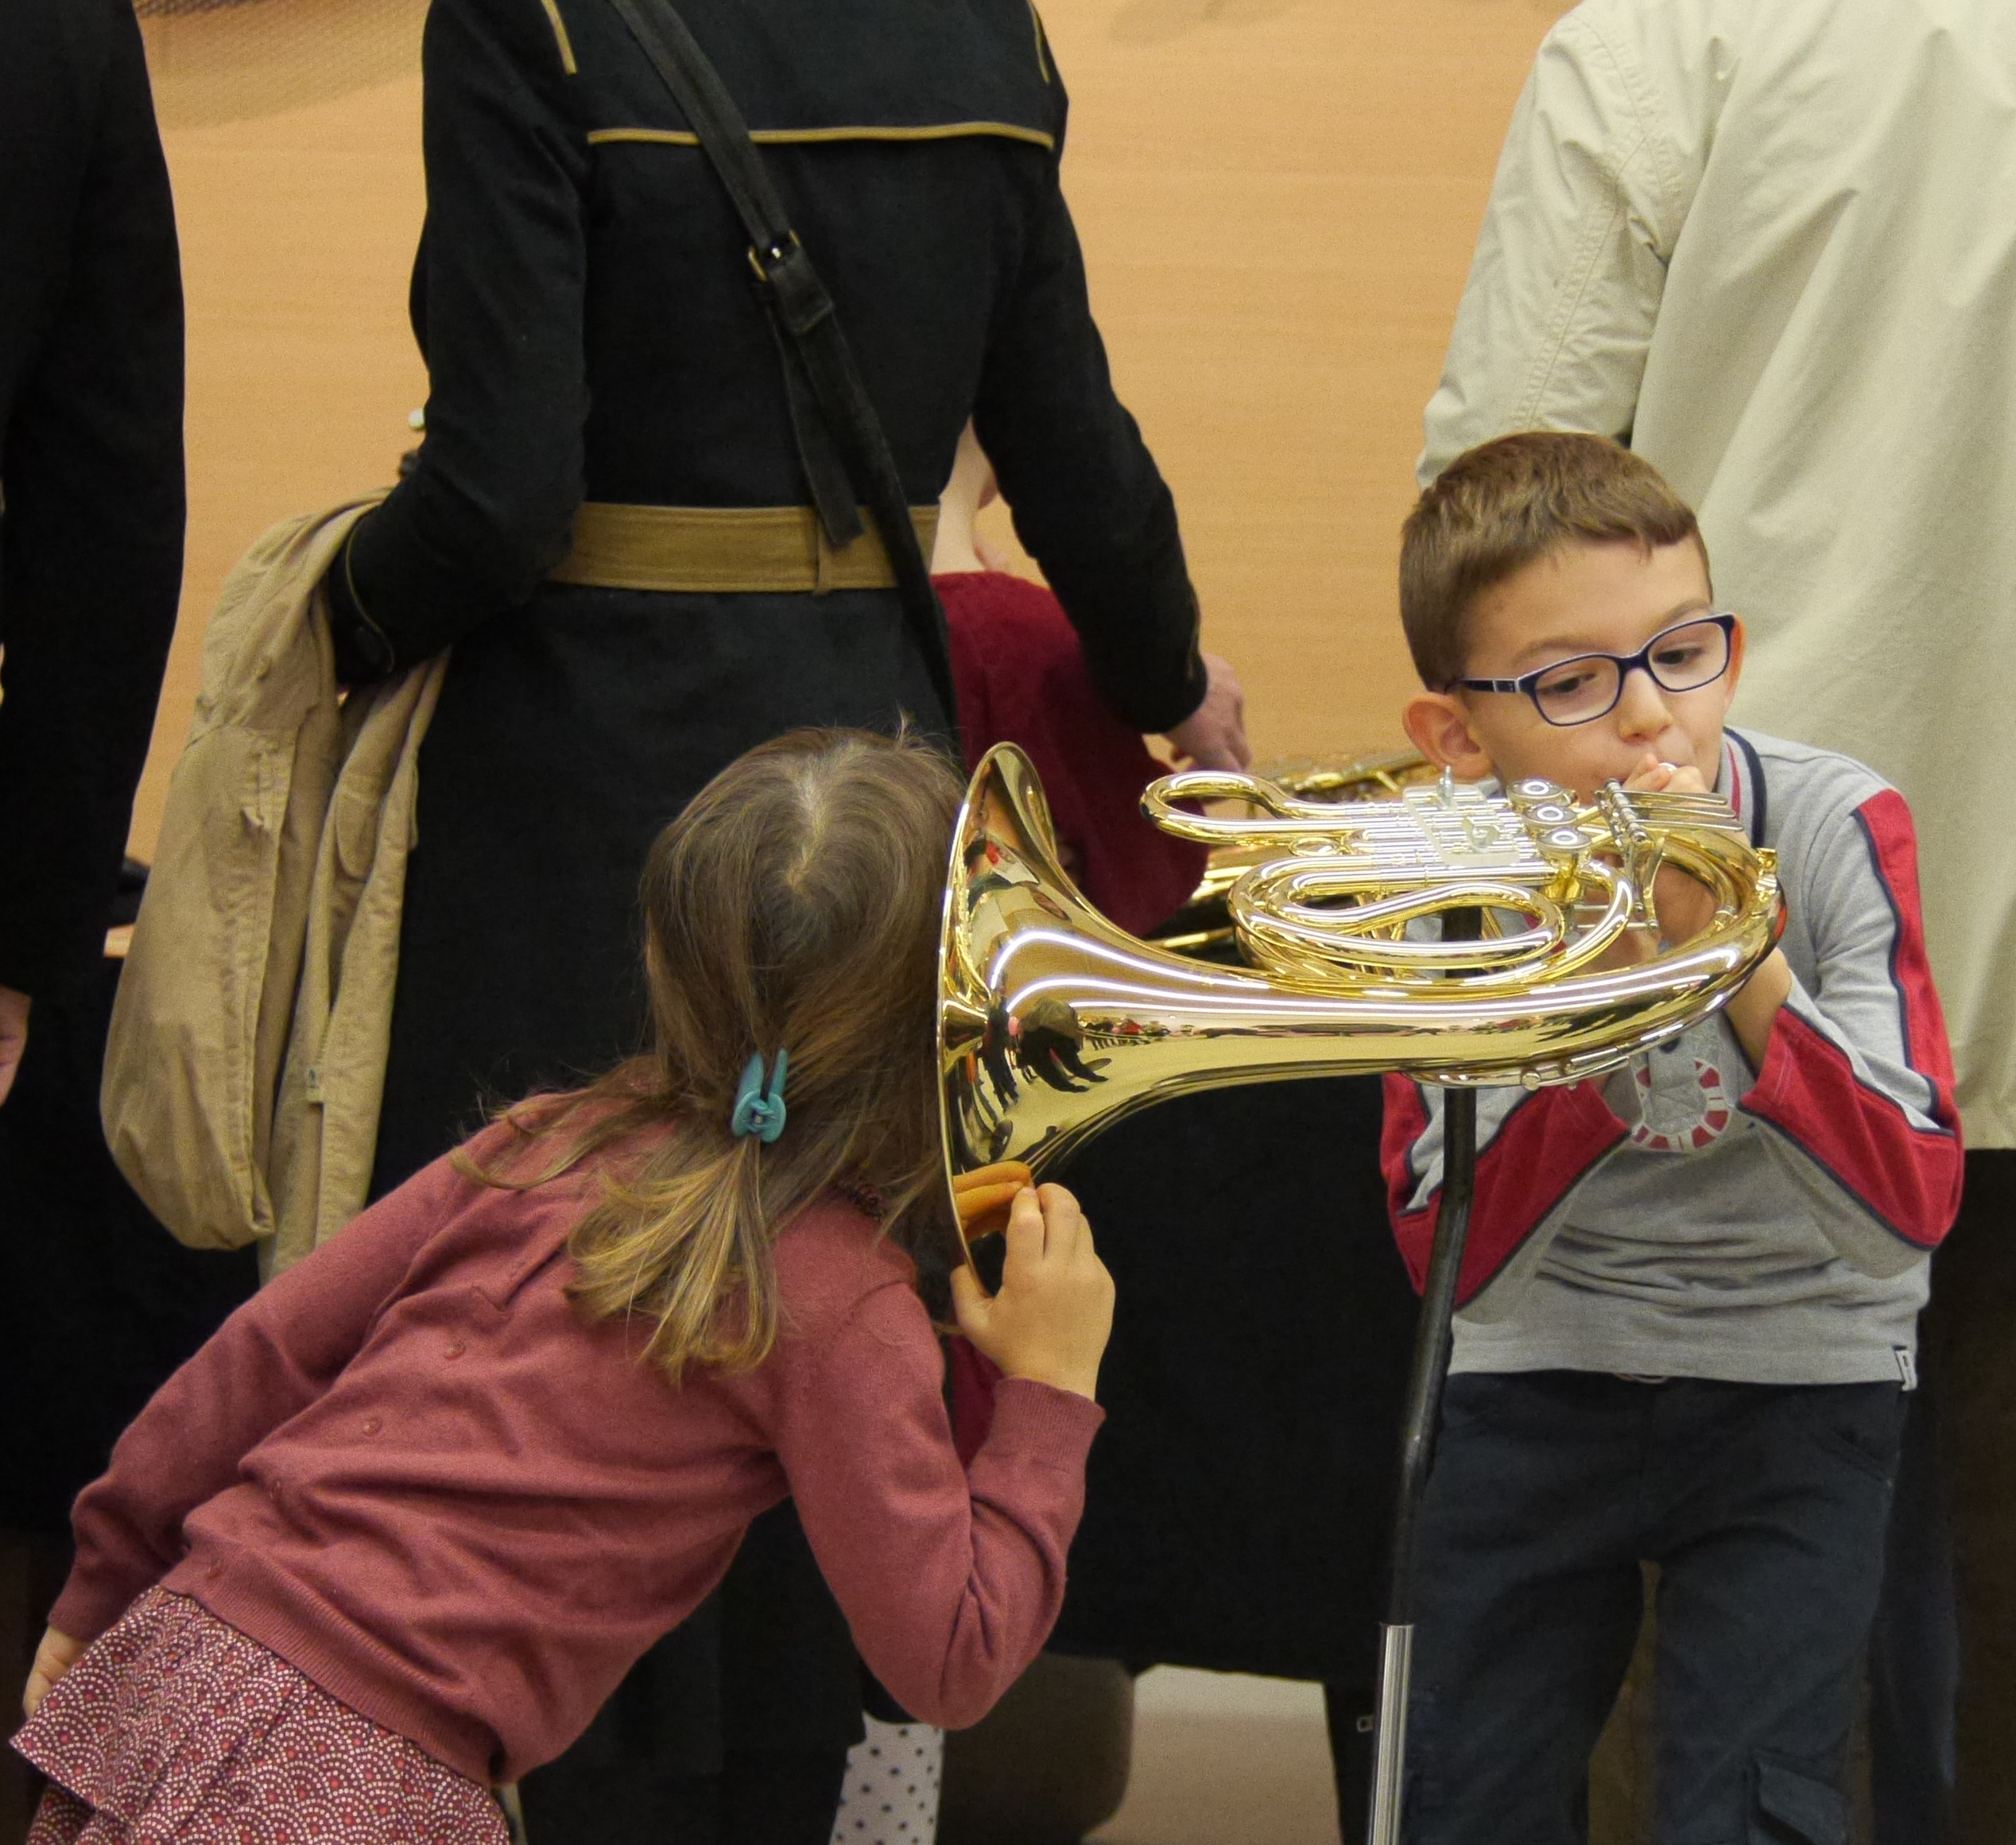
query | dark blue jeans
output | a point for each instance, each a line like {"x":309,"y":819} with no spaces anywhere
{"x":1765,"y":1507}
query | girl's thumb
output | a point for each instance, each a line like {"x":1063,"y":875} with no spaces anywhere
{"x":969,"y":1300}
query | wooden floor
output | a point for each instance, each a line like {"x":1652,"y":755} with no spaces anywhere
{"x":1222,"y":1759}
{"x":1278,"y":199}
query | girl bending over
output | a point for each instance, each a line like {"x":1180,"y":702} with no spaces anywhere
{"x":396,"y":1532}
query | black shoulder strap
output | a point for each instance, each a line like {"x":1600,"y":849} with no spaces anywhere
{"x":829,"y":401}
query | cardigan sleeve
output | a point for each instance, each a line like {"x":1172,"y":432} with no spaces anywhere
{"x":271,"y":1360}
{"x":951,"y":1580}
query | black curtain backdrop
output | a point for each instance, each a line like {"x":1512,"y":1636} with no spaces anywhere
{"x":98,"y":1303}
{"x":1239,"y":1494}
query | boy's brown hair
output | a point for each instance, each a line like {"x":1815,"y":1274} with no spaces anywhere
{"x":1501,"y":505}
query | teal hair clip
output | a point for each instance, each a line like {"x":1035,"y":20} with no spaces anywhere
{"x":759,"y":1101}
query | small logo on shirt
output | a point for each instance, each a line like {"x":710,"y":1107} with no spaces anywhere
{"x":1681,"y":1116}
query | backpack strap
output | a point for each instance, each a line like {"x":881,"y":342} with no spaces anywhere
{"x":841,"y":443}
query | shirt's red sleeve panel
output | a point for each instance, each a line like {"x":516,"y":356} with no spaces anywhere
{"x":1540,"y":1151}
{"x":1908,"y":1174}
{"x":1404,"y":1122}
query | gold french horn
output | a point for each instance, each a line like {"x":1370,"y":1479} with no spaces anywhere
{"x":1054,"y":1022}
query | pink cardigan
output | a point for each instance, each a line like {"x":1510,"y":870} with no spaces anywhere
{"x":412,"y":1469}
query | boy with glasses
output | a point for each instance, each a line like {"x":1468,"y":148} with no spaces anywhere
{"x":1689,"y":1303}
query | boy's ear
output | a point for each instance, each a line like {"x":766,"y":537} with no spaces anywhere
{"x":1439,"y":726}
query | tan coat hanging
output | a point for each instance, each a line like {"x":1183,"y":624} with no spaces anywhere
{"x":247,"y":1060}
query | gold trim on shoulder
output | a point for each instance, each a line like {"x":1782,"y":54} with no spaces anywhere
{"x":790,"y":137}
{"x":664,"y":137}
{"x":1042,"y":48}
{"x":560,"y":35}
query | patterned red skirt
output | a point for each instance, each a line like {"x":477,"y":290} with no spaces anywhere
{"x":175,"y":1726}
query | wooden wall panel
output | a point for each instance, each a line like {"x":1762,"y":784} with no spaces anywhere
{"x":297,"y":234}
{"x":1278,"y":199}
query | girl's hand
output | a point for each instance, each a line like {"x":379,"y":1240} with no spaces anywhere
{"x":1054,"y":1313}
{"x":55,"y":1657}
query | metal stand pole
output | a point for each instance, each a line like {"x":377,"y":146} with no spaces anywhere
{"x":1431,"y":1371}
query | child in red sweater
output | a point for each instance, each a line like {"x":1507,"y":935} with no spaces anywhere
{"x":397,"y":1531}
{"x":1022,"y":677}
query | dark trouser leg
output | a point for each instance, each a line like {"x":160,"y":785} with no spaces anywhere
{"x":1528,"y":1598}
{"x":1971,"y":1360}
{"x":1914,"y":1655}
{"x":1774,"y":1503}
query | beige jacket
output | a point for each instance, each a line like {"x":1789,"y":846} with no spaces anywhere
{"x":247,"y":1060}
{"x":1772,"y":243}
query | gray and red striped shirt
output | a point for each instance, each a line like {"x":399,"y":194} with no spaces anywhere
{"x":1690,"y":1217}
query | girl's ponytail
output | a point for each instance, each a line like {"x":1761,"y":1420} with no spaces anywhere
{"x":791,"y":916}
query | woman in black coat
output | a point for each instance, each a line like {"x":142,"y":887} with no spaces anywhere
{"x":593,"y":336}
{"x":90,"y":446}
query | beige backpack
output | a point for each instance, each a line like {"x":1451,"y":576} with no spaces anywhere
{"x":247,"y":1058}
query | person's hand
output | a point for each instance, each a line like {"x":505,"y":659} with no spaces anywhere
{"x":55,"y":1657}
{"x":1214,"y":735}
{"x":14,"y":1035}
{"x":1686,"y":906}
{"x":993,"y":556}
{"x":1653,"y":776}
{"x":1051,"y":1319}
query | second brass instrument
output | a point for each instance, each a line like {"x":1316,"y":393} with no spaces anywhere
{"x":1054,"y":1022}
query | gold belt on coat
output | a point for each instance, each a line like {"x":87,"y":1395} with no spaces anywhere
{"x":727,"y":550}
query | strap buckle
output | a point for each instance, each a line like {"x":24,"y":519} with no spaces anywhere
{"x":796,"y":294}
{"x":778,"y":253}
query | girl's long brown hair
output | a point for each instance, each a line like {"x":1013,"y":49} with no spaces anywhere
{"x":795,"y":903}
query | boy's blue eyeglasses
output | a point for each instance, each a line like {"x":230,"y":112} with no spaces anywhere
{"x":1579,"y":690}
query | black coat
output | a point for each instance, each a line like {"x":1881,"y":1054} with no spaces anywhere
{"x":91,"y":464}
{"x":587,"y":313}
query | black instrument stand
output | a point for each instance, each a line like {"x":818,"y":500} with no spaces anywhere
{"x":1431,"y":1372}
